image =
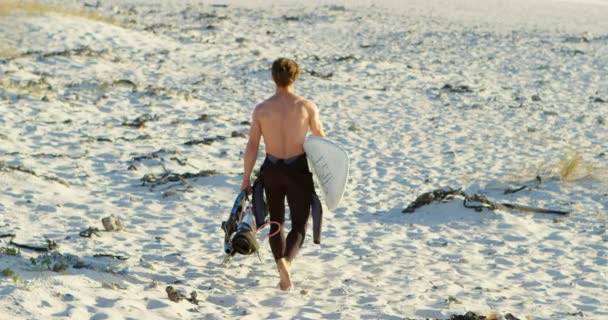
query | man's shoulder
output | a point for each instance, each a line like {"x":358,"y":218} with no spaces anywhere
{"x":305,"y":102}
{"x":261,"y":106}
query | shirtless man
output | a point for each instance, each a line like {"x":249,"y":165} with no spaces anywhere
{"x":283,"y":121}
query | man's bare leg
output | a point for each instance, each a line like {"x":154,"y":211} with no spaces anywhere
{"x":285,"y":278}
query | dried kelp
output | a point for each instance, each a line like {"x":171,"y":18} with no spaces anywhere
{"x":7,"y":168}
{"x":324,"y":76}
{"x":140,"y":122}
{"x":473,"y":316}
{"x":456,"y":88}
{"x":153,"y":181}
{"x":177,"y":296}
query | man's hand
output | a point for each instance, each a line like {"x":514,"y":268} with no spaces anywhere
{"x":246,"y":185}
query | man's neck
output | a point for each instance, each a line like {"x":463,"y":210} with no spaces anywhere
{"x":285,"y":90}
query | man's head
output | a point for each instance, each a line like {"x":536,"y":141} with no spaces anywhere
{"x":285,"y":72}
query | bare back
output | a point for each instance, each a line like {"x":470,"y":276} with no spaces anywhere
{"x":284,"y":121}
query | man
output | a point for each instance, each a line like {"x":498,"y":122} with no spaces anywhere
{"x":283,"y":121}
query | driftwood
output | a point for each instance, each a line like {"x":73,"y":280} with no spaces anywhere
{"x":538,"y":182}
{"x":476,"y":201}
{"x":51,"y":245}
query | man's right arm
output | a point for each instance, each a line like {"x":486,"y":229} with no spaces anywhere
{"x":314,"y":122}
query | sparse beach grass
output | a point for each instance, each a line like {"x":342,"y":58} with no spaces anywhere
{"x":7,"y":52}
{"x":30,"y":88}
{"x":571,"y":167}
{"x":35,"y":8}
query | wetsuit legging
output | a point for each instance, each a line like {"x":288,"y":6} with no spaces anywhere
{"x":289,"y":178}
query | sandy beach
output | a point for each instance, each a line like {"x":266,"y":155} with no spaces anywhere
{"x":141,"y":109}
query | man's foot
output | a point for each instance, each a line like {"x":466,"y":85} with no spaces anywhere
{"x":285,"y":278}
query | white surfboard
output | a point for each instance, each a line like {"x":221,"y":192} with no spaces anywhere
{"x":330,"y":165}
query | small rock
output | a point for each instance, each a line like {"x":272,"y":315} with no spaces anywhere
{"x":536,"y":97}
{"x":354,"y":128}
{"x":236,"y":134}
{"x":68,"y":297}
{"x":173,"y":295}
{"x":112,"y":223}
{"x":132,"y":168}
{"x":437,"y":243}
{"x":451,"y":300}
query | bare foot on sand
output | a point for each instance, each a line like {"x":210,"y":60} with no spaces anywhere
{"x":285,"y":282}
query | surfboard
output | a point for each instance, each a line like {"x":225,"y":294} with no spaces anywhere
{"x":330,"y":164}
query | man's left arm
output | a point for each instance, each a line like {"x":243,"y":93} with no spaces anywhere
{"x":251,"y":151}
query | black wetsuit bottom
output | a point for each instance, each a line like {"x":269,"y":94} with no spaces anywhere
{"x":289,"y":178}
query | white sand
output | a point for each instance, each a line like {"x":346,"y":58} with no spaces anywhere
{"x":537,"y":72}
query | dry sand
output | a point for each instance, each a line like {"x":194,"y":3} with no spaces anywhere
{"x":471,"y":94}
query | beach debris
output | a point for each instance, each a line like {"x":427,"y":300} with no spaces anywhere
{"x":237,"y":134}
{"x":111,"y":256}
{"x":336,"y":8}
{"x":599,"y":100}
{"x":152,"y":180}
{"x":577,"y":39}
{"x":56,"y":261}
{"x":125,"y":83}
{"x":51,"y":245}
{"x":536,"y":98}
{"x":154,"y":155}
{"x":140,"y":122}
{"x":525,"y":186}
{"x":456,"y":88}
{"x":177,"y":296}
{"x":478,"y":202}
{"x":354,"y":128}
{"x":203,"y":117}
{"x":7,"y":251}
{"x":291,"y":18}
{"x":205,"y":141}
{"x":473,"y":316}
{"x":7,"y":168}
{"x":89,"y":232}
{"x":325,"y":76}
{"x":113,"y":223}
{"x":84,"y":51}
{"x":451,"y":300}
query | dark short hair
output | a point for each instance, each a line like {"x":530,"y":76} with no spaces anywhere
{"x":285,"y":72}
